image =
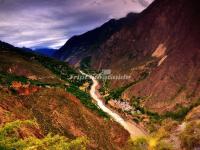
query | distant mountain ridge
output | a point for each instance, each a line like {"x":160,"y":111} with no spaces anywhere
{"x":45,"y":51}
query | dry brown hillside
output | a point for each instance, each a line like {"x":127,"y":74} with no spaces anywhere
{"x":29,"y":91}
{"x":164,"y":43}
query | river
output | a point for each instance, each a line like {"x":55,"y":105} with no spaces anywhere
{"x":127,"y":124}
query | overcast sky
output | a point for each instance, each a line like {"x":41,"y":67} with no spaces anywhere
{"x":50,"y":23}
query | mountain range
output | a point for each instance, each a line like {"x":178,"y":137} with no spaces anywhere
{"x":42,"y":107}
{"x":161,"y":42}
{"x":45,"y":51}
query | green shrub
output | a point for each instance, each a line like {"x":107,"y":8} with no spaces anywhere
{"x":182,"y":111}
{"x":178,"y":115}
{"x":148,"y":143}
{"x":85,"y":63}
{"x":116,"y":93}
{"x":10,"y":140}
{"x":136,"y":104}
{"x":139,"y":143}
{"x":7,"y":79}
{"x":190,"y":137}
{"x":163,"y":146}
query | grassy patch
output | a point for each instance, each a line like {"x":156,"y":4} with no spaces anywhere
{"x":155,"y":117}
{"x":181,"y":112}
{"x":148,"y":143}
{"x":85,"y":63}
{"x":178,"y":114}
{"x":190,"y":137}
{"x":116,"y":93}
{"x":59,"y":68}
{"x":10,"y":139}
{"x":6,"y":79}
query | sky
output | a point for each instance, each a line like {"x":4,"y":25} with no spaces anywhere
{"x":50,"y":23}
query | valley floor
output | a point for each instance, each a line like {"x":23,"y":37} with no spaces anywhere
{"x":128,"y":125}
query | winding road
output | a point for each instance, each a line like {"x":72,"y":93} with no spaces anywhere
{"x":128,"y":125}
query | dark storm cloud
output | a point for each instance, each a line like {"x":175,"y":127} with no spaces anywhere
{"x":49,"y":23}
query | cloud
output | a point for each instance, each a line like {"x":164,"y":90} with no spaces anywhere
{"x":49,"y":23}
{"x":144,"y":3}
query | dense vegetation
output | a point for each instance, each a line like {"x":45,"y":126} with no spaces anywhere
{"x":190,"y":137}
{"x":182,"y":111}
{"x":10,"y":139}
{"x":6,"y":79}
{"x":116,"y":93}
{"x":62,"y":70}
{"x":85,"y":63}
{"x":136,"y":104}
{"x":149,"y":143}
{"x":179,"y":114}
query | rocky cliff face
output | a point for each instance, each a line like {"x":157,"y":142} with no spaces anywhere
{"x":162,"y":42}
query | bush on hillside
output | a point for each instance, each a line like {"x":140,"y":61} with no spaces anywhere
{"x":10,"y":139}
{"x":148,"y":143}
{"x":190,"y":137}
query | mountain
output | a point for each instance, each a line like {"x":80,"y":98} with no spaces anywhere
{"x":36,"y":90}
{"x":163,"y":43}
{"x":159,"y":50}
{"x":45,"y":51}
{"x":79,"y":47}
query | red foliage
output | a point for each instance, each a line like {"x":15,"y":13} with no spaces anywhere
{"x":24,"y":89}
{"x":16,"y":84}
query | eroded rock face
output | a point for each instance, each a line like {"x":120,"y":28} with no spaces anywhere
{"x":167,"y":33}
{"x":162,"y":41}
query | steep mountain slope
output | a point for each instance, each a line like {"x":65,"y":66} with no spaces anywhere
{"x":79,"y":47}
{"x":166,"y":38}
{"x":162,"y":44}
{"x":29,"y":90}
